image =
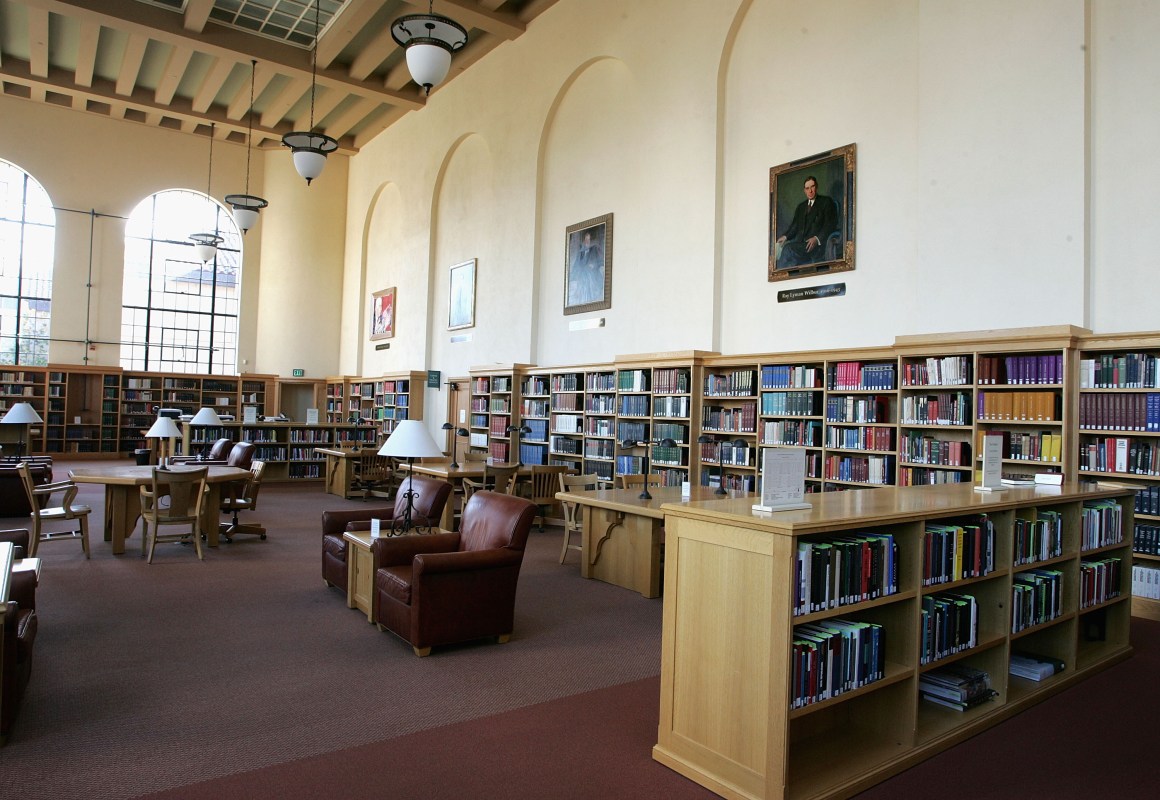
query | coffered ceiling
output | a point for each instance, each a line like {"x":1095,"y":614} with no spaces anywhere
{"x":184,"y":64}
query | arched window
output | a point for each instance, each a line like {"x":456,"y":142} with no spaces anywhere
{"x":180,"y":315}
{"x":27,"y":237}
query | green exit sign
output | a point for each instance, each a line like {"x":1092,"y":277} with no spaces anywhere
{"x":298,"y":373}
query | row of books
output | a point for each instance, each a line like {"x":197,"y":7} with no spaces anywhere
{"x":533,"y":453}
{"x":566,"y":445}
{"x":725,"y":453}
{"x":567,"y":423}
{"x":1033,"y":666}
{"x":1019,"y":406}
{"x":533,"y":408}
{"x":779,"y":376}
{"x":598,"y":427}
{"x":953,"y":552}
{"x":539,"y":430}
{"x":945,"y":408}
{"x":567,"y":382}
{"x":677,"y":406}
{"x":834,"y":656}
{"x":738,"y":383}
{"x":1127,"y":371}
{"x":1120,"y":412}
{"x":535,"y":385}
{"x":844,"y":570}
{"x":855,"y":375}
{"x":1146,"y":539}
{"x":731,"y":482}
{"x":957,"y":686}
{"x":630,"y":465}
{"x":636,"y":431}
{"x":945,"y":371}
{"x":671,"y":456}
{"x":860,"y":438}
{"x":501,"y":405}
{"x":600,"y":382}
{"x":922,"y":476}
{"x":918,"y":448}
{"x":1015,"y":370}
{"x":741,"y":419}
{"x":633,"y":405}
{"x":800,"y":433}
{"x":1038,"y":539}
{"x":878,"y":470}
{"x":1036,"y":598}
{"x":949,"y":624}
{"x":498,"y":451}
{"x":1099,"y":581}
{"x":566,"y":402}
{"x":633,"y":380}
{"x":791,"y":404}
{"x":671,"y":430}
{"x":1148,"y":500}
{"x":600,"y":404}
{"x":671,"y":380}
{"x":1027,"y":445}
{"x":1101,"y":524}
{"x":874,"y":408}
{"x":598,"y":448}
{"x":501,"y":383}
{"x":1120,"y":454}
{"x":1146,"y":582}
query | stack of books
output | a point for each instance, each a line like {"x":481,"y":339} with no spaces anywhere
{"x":956,"y":686}
{"x":1034,"y":667}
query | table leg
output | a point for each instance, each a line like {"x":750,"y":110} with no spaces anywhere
{"x":622,"y":549}
{"x":211,"y":513}
{"x":122,"y":510}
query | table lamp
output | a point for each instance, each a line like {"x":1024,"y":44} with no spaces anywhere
{"x":447,"y":426}
{"x":21,"y":414}
{"x":205,"y":417}
{"x":518,"y":430}
{"x":409,"y":440}
{"x":666,"y":442}
{"x":165,"y":430}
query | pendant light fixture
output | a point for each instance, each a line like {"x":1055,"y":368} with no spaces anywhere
{"x":246,"y":206}
{"x":206,"y":244}
{"x":430,"y":39}
{"x":310,"y":148}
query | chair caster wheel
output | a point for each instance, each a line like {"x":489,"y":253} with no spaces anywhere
{"x":227,"y":540}
{"x":262,"y":536}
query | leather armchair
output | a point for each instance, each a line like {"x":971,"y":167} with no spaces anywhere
{"x":431,"y":497}
{"x":216,"y":455}
{"x":241,"y":455}
{"x":19,"y":632}
{"x":454,"y":587}
{"x":13,"y":498}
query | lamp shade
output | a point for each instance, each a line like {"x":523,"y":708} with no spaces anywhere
{"x":206,"y":416}
{"x":164,"y":428}
{"x":428,"y":64}
{"x":309,"y":150}
{"x":410,"y":439}
{"x":246,"y":209}
{"x":205,"y":245}
{"x":22,"y":414}
{"x":430,"y":40}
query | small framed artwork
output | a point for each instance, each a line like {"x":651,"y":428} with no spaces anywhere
{"x":461,"y":297}
{"x":588,"y":266}
{"x":811,"y":215}
{"x":383,"y":314}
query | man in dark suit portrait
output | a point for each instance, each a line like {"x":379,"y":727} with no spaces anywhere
{"x":816,"y":217}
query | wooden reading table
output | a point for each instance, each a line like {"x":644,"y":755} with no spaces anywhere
{"x":455,"y":475}
{"x":340,"y":468}
{"x":123,"y":497}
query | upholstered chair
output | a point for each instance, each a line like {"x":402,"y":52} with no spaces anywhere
{"x":454,"y":587}
{"x":241,"y":455}
{"x":19,"y":631}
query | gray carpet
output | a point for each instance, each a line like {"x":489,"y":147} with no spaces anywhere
{"x":148,"y":677}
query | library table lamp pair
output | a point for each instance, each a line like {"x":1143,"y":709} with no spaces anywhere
{"x":164,"y":430}
{"x":447,"y":426}
{"x":630,"y":443}
{"x":705,"y":439}
{"x":409,"y":440}
{"x":25,"y":415}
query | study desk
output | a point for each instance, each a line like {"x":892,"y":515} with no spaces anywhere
{"x":455,"y":475}
{"x":340,"y":468}
{"x":623,"y":534}
{"x":123,"y":497}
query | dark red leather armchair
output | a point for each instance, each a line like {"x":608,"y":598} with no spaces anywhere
{"x":19,"y":632}
{"x":241,"y":455}
{"x":13,"y":498}
{"x":431,"y":497}
{"x":454,"y":587}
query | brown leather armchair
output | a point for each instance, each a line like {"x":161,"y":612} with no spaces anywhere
{"x":13,"y":498}
{"x":19,"y":632}
{"x":241,"y":455}
{"x":454,"y":587}
{"x":431,"y":497}
{"x":217,"y":454}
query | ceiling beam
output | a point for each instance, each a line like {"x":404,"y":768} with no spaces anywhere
{"x":324,"y":103}
{"x":218,"y":41}
{"x":470,"y":15}
{"x":175,"y":67}
{"x":196,"y":15}
{"x":353,"y":115}
{"x":291,"y":93}
{"x":131,"y":64}
{"x":240,"y":105}
{"x":87,"y":40}
{"x":38,"y":41}
{"x":211,"y":84}
{"x":377,"y":51}
{"x":351,"y":19}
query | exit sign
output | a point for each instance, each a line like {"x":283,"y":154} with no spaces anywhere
{"x":298,"y":373}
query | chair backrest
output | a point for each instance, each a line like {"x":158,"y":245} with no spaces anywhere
{"x":637,"y":481}
{"x":220,"y":450}
{"x":545,"y":483}
{"x":29,"y":487}
{"x":500,"y":478}
{"x":475,"y":456}
{"x":254,"y":485}
{"x":373,"y":468}
{"x":579,"y":483}
{"x":241,"y":455}
{"x":430,"y":498}
{"x":491,"y":521}
{"x":185,"y":489}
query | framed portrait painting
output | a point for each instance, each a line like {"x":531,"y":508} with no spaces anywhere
{"x":588,"y":266}
{"x":811,"y":215}
{"x":461,"y":296}
{"x":383,"y":314}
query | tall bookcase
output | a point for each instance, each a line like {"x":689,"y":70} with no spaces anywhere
{"x":744,"y":708}
{"x":536,"y":415}
{"x":567,"y":423}
{"x":24,"y":385}
{"x":600,"y":421}
{"x":1119,"y":435}
{"x":792,"y":410}
{"x":860,"y":437}
{"x":495,"y":405}
{"x":397,"y":396}
{"x":730,"y":395}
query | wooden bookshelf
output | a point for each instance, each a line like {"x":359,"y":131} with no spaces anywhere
{"x":730,"y":413}
{"x":495,"y":405}
{"x":397,"y":396}
{"x":792,"y":409}
{"x":729,"y":718}
{"x":536,"y":414}
{"x":860,"y":437}
{"x":600,"y":421}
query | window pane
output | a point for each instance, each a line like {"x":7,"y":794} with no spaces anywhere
{"x":27,"y":239}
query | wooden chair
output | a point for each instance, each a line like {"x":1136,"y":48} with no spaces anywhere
{"x":573,"y":512}
{"x":40,"y":498}
{"x":474,"y":456}
{"x":499,"y":478}
{"x":373,"y":474}
{"x":542,"y":488}
{"x":175,"y":497}
{"x":242,"y":496}
{"x":637,"y":481}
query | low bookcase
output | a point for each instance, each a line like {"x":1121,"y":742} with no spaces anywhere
{"x":731,"y":716}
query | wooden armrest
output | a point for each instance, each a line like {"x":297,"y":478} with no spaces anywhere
{"x":49,"y":488}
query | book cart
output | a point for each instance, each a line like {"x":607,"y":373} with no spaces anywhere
{"x":738,"y":717}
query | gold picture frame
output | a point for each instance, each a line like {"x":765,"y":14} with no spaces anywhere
{"x":588,"y":265}
{"x":811,"y":215}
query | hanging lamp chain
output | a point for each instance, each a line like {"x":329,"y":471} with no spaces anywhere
{"x":250,"y":123}
{"x":314,"y":61}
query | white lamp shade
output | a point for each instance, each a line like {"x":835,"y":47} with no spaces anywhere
{"x":410,"y":440}
{"x":22,"y":414}
{"x":309,"y":163}
{"x":164,"y":428}
{"x":206,"y":416}
{"x":245,"y":217}
{"x":205,"y":252}
{"x":428,"y":63}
